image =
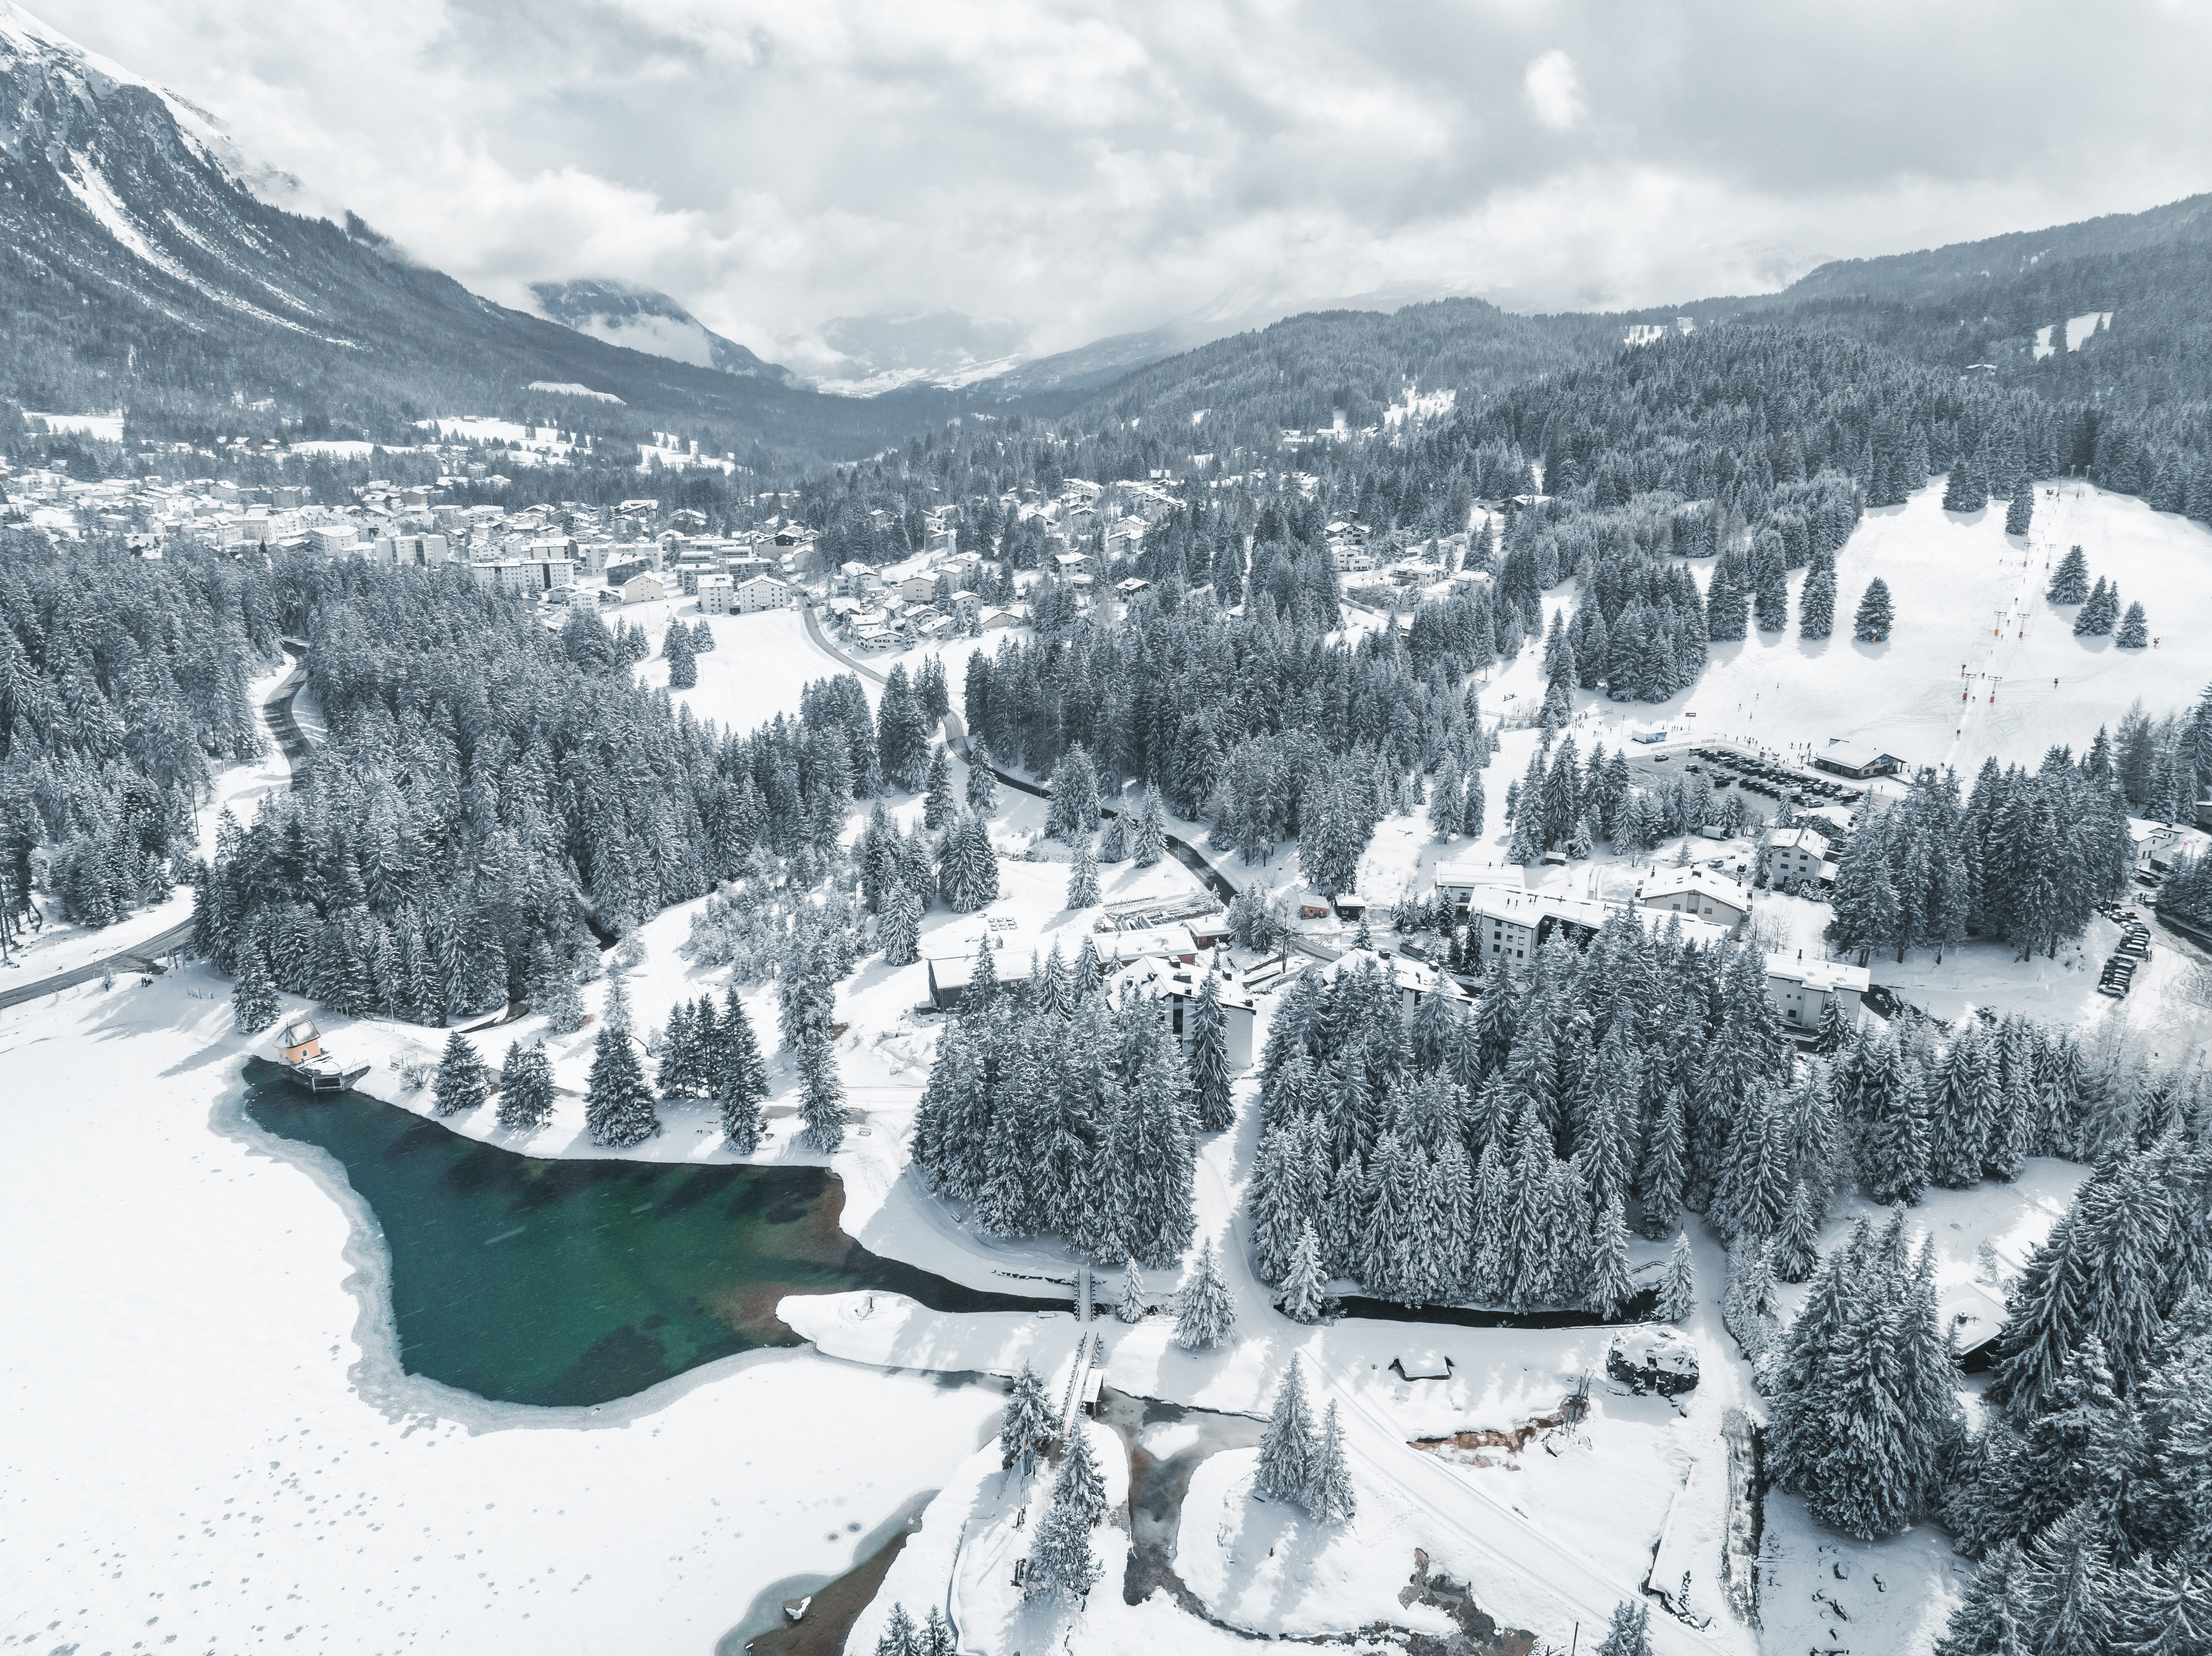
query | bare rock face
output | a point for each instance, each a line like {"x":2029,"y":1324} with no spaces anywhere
{"x":1653,"y":1359}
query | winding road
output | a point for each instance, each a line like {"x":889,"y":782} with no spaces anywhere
{"x":299,"y":754}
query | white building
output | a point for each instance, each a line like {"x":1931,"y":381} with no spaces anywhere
{"x":336,"y":540}
{"x":643,"y":589}
{"x":1511,"y":926}
{"x":1802,"y":989}
{"x":532,"y":575}
{"x":715,"y":594}
{"x":758,"y":593}
{"x":1798,"y":854}
{"x":1704,"y":892}
{"x":1177,"y":988}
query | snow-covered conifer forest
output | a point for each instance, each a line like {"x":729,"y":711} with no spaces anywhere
{"x":1464,"y":981}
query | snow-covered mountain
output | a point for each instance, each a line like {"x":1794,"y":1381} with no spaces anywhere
{"x":646,"y":319}
{"x":145,"y":261}
{"x":868,"y":356}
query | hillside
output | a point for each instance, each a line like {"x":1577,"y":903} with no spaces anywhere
{"x":137,"y":270}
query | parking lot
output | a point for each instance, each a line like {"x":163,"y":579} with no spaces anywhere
{"x":1764,"y":776}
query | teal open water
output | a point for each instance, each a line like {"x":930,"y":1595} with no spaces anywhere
{"x":530,"y":1281}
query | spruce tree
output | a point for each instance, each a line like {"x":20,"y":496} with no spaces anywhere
{"x":2070,"y":585}
{"x":1286,"y":1449}
{"x":1083,"y":878}
{"x":461,"y":1080}
{"x":253,"y":1003}
{"x":1130,"y":1307}
{"x":982,"y":784}
{"x":2135,"y":630}
{"x":1062,"y":1561}
{"x":1305,"y":1282}
{"x":1610,"y":1289}
{"x":1151,"y":841}
{"x":900,"y":926}
{"x":1816,"y":605}
{"x":1875,"y":617}
{"x":551,"y":987}
{"x":2021,"y":512}
{"x":1205,"y":1311}
{"x":1332,"y":1499}
{"x":897,"y":1637}
{"x":618,"y":1109}
{"x":1113,"y":841}
{"x":1073,"y":812}
{"x":525,"y":1087}
{"x":1965,"y":491}
{"x":1678,"y":1291}
{"x":937,"y":806}
{"x":1796,"y":1249}
{"x":821,"y":1094}
{"x":1630,"y":1634}
{"x":682,"y":665}
{"x":1079,"y":1483}
{"x":737,"y":1079}
{"x":1209,"y":1059}
{"x":1026,"y":1422}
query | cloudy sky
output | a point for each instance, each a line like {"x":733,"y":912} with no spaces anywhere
{"x":1083,"y":171}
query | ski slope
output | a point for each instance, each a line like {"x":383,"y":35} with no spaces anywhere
{"x":1980,"y":663}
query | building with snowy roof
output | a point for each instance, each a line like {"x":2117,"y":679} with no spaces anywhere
{"x":1704,"y":892}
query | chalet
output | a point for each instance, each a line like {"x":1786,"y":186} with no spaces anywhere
{"x":1801,"y":990}
{"x":918,"y":588}
{"x":759,"y":592}
{"x":2158,"y":844}
{"x":1177,"y":990}
{"x":1971,"y":1320}
{"x":858,"y":579}
{"x":1129,"y":588}
{"x":1857,"y":760}
{"x":1072,"y":563}
{"x":992,"y":619}
{"x":1163,"y":942}
{"x":1703,"y":892}
{"x":643,"y":589}
{"x":1800,"y":853}
{"x":714,"y":594}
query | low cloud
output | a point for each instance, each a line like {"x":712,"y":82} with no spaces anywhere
{"x":1075,"y":172}
{"x":1554,"y":91}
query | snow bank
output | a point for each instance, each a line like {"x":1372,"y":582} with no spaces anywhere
{"x":275,"y":1476}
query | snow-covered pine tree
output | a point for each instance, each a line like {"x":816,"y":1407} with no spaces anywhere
{"x":1083,"y":878}
{"x":1893,"y":1125}
{"x":1678,"y":1290}
{"x":934,"y":1636}
{"x":1074,"y":811}
{"x":900,"y":926}
{"x":1965,"y":491}
{"x":1151,"y":841}
{"x":1130,"y":1307}
{"x":525,"y":1087}
{"x":982,"y":793}
{"x":1209,"y":1059}
{"x":1876,"y":614}
{"x":1062,"y":1561}
{"x":550,"y":983}
{"x":2070,"y":585}
{"x":2098,"y":611}
{"x":1286,"y":1466}
{"x":1446,"y":801}
{"x":1025,"y":1425}
{"x":1331,"y":1501}
{"x":1079,"y":1483}
{"x":1305,"y":1283}
{"x":737,"y":1079}
{"x":461,"y":1080}
{"x":1113,"y":838}
{"x":253,"y":1003}
{"x":1816,"y":604}
{"x":618,"y":1109}
{"x":1205,"y":1311}
{"x":1610,"y":1289}
{"x":2135,"y":630}
{"x":937,"y":806}
{"x":2020,"y":511}
{"x":1659,"y":1181}
{"x":682,"y":664}
{"x":1630,"y":1634}
{"x":1795,"y":1249}
{"x":821,"y":1093}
